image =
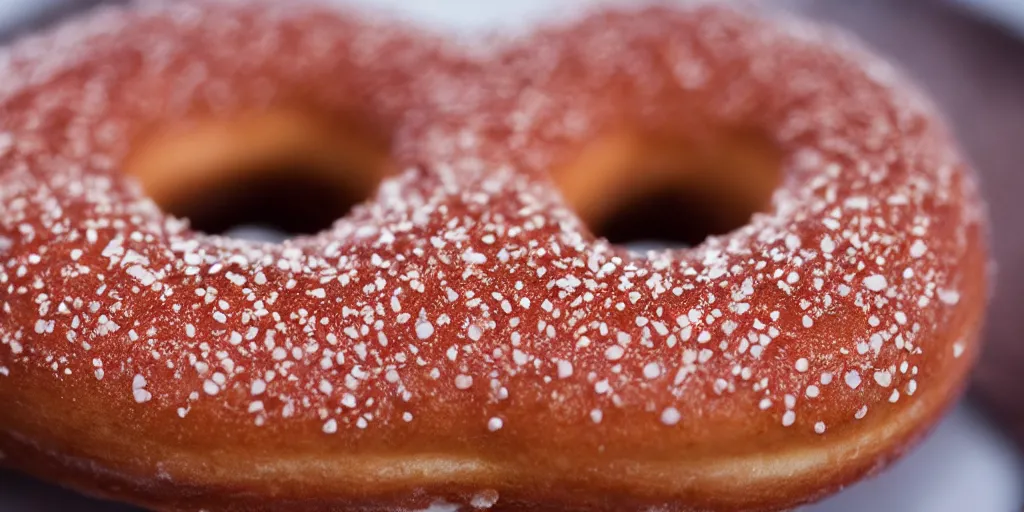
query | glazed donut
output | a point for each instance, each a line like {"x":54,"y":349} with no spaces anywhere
{"x":463,"y":338}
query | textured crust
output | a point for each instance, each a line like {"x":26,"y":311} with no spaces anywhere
{"x":462,"y":337}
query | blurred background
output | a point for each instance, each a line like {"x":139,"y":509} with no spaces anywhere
{"x":970,"y":55}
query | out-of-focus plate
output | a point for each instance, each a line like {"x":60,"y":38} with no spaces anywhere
{"x":1006,"y":12}
{"x":18,"y":17}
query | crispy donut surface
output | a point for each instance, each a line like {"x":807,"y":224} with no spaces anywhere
{"x":462,"y":337}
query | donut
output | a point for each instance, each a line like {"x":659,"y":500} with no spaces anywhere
{"x":465,"y":337}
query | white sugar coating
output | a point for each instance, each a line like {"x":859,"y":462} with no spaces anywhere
{"x":474,"y":257}
{"x":652,"y":370}
{"x":139,"y":392}
{"x":861,"y":413}
{"x":852,"y":379}
{"x":495,"y":424}
{"x":827,"y":244}
{"x":875,"y":283}
{"x":614,"y":353}
{"x":790,"y":401}
{"x":951,"y":297}
{"x":141,"y":395}
{"x":484,"y":499}
{"x":463,"y":381}
{"x":788,"y":418}
{"x":671,"y":416}
{"x":564,"y":369}
{"x":440,"y":506}
{"x":348,"y":400}
{"x":466,"y":279}
{"x":330,"y":426}
{"x":917,"y":249}
{"x":424,"y":329}
{"x":144,"y":276}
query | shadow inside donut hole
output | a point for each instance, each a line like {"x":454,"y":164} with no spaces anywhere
{"x":669,"y":189}
{"x":273,"y":174}
{"x":279,"y":199}
{"x":264,"y":176}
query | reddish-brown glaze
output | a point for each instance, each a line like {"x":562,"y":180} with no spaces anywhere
{"x":461,"y":337}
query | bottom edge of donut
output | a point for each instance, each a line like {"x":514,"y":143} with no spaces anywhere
{"x":165,"y":494}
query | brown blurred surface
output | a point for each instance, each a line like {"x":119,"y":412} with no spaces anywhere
{"x":975,"y":72}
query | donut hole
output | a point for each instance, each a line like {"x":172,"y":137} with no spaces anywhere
{"x":670,"y":189}
{"x":670,"y":217}
{"x":281,"y":199}
{"x":285,"y":171}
